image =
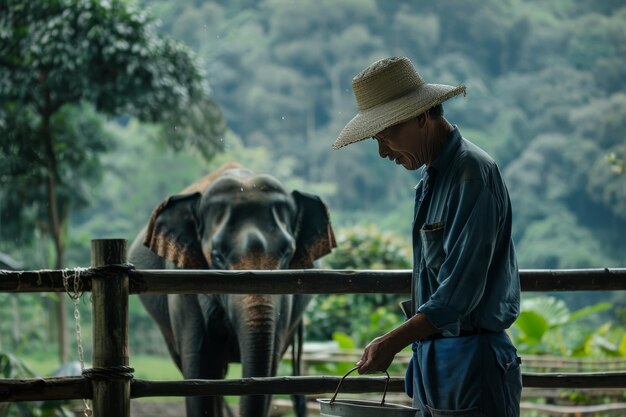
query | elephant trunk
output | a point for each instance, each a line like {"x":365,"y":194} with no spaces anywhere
{"x":257,"y":344}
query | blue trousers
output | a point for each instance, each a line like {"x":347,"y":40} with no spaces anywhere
{"x":471,"y":376}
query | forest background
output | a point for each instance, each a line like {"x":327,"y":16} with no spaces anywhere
{"x":546,"y":98}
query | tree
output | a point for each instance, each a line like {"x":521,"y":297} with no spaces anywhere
{"x":63,"y":53}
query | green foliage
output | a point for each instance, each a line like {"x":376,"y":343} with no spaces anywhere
{"x":109,"y":54}
{"x":363,"y":316}
{"x":545,"y":82}
{"x":367,"y":247}
{"x":12,"y":367}
{"x":562,"y":223}
{"x":345,"y":342}
{"x":23,"y":322}
{"x":545,"y":326}
{"x":134,"y":184}
{"x":545,"y":97}
{"x":80,"y":140}
{"x":559,"y":242}
{"x":538,"y":93}
{"x":60,"y":63}
{"x":130,"y":189}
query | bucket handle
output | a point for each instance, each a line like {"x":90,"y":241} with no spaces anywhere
{"x":382,"y":402}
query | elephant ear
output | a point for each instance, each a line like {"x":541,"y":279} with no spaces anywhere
{"x":172,"y":232}
{"x":313,"y":231}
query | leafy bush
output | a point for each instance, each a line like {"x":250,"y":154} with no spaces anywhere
{"x":546,"y":326}
{"x":363,"y":316}
{"x":367,"y":247}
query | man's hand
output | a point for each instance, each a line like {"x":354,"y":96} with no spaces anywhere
{"x":379,"y":353}
{"x":377,"y":356}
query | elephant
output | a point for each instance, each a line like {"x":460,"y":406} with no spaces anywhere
{"x":231,"y":219}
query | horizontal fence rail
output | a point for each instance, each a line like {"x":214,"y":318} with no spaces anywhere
{"x":296,"y":281}
{"x":74,"y":388}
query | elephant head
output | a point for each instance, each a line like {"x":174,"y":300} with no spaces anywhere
{"x":234,"y":219}
{"x":241,"y":221}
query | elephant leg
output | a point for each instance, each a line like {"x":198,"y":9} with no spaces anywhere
{"x":299,"y":401}
{"x":295,"y":338}
{"x":203,"y":351}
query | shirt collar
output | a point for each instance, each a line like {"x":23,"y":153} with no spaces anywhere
{"x":442,"y":162}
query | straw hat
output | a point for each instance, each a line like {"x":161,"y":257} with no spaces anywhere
{"x":388,"y":92}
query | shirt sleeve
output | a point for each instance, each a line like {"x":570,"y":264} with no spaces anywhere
{"x":469,"y":239}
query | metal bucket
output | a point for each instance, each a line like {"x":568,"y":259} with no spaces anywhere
{"x":334,"y":407}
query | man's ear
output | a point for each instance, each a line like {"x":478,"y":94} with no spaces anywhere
{"x":312,"y":230}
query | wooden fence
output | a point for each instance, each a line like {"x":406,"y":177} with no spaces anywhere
{"x":110,"y":383}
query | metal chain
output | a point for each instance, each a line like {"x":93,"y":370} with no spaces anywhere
{"x":75,"y":295}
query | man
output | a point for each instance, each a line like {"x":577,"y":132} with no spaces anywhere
{"x":465,"y":286}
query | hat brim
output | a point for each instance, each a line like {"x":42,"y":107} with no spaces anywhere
{"x":369,"y":122}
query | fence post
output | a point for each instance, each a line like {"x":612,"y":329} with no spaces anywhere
{"x":111,"y":396}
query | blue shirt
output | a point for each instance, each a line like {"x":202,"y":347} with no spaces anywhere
{"x":465,"y":273}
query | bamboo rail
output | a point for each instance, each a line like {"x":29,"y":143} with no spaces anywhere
{"x":300,"y":281}
{"x":43,"y":389}
{"x":111,"y":283}
{"x":71,"y":388}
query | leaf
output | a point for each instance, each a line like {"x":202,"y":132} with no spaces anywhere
{"x":606,"y":346}
{"x":344,"y":340}
{"x":533,"y":324}
{"x":584,"y":348}
{"x":12,"y":367}
{"x":553,"y":310}
{"x":584,"y":312}
{"x":604,"y":329}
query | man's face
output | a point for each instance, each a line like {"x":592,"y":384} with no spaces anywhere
{"x":400,"y":143}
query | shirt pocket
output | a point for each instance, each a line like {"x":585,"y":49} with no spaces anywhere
{"x":432,"y":245}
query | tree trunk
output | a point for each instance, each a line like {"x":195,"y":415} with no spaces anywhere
{"x":55,"y":227}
